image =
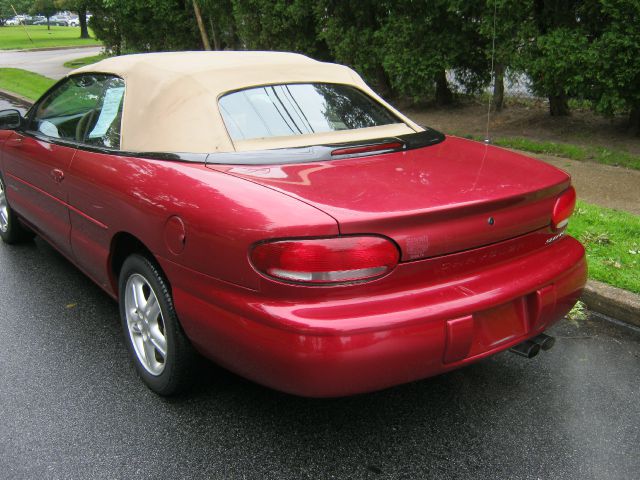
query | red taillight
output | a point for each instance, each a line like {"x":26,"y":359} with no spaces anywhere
{"x":563,"y":209}
{"x":326,"y":260}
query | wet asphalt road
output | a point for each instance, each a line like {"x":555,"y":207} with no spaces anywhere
{"x":71,"y":406}
{"x":7,"y":103}
{"x":46,"y":62}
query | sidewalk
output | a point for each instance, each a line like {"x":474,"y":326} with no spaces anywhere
{"x":49,"y":63}
{"x":604,"y":185}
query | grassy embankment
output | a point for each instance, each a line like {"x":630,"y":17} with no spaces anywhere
{"x":567,"y":150}
{"x":15,"y":38}
{"x":81,"y":62}
{"x":574,"y":152}
{"x":612,"y":240}
{"x":28,"y":84}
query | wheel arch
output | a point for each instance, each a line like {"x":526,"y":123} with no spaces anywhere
{"x":123,"y":245}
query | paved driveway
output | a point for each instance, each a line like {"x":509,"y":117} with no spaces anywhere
{"x":71,"y":407}
{"x":6,"y":103}
{"x":45,"y":62}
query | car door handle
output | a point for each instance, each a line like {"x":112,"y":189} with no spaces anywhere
{"x":14,"y":142}
{"x":57,"y":175}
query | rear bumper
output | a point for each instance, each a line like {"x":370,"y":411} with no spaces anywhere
{"x":345,"y":343}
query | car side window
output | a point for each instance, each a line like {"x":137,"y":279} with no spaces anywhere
{"x":84,"y":109}
{"x":103,"y":127}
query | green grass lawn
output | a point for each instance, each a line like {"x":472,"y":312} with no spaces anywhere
{"x":574,"y":152}
{"x":81,"y":62}
{"x":612,"y":240}
{"x":15,"y":38}
{"x":22,"y":82}
{"x":567,"y":150}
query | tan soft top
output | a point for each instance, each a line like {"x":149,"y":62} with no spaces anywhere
{"x":170,"y":102}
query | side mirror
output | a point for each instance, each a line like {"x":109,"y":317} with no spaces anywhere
{"x":10,"y":119}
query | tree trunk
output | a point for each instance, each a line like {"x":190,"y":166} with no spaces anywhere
{"x":203,"y":30}
{"x":48,"y":23}
{"x":116,"y":48}
{"x":215,"y":36}
{"x":634,"y":120}
{"x":82,"y":19}
{"x":234,"y":39}
{"x":444,"y":96}
{"x":383,"y":83}
{"x":558,"y":105}
{"x":498,"y":88}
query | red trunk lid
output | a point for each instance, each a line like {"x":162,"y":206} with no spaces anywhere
{"x":444,"y":198}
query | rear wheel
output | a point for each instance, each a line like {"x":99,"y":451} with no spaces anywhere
{"x":162,"y":354}
{"x":11,"y":230}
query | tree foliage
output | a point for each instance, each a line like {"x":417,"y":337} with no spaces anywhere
{"x":145,"y":25}
{"x":222,"y":24}
{"x":512,"y":23}
{"x":418,"y":49}
{"x":417,"y":54}
{"x":351,"y":32}
{"x":552,"y":56}
{"x":615,"y":60}
{"x":44,"y":7}
{"x":7,"y":6}
{"x":80,"y":8}
{"x":287,"y":25}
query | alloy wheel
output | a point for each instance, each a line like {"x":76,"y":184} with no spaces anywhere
{"x":145,"y":324}
{"x":4,"y":209}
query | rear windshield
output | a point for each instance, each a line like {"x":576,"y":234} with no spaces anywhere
{"x":300,"y":109}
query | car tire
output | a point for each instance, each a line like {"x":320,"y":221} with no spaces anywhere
{"x":12,"y":231}
{"x":162,"y":354}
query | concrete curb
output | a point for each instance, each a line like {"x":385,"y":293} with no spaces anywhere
{"x":45,"y":49}
{"x":597,"y":296}
{"x":612,"y":302}
{"x":27,"y":102}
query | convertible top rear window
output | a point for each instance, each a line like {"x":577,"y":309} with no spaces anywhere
{"x":300,"y":109}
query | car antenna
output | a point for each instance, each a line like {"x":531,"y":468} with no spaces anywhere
{"x":487,"y":139}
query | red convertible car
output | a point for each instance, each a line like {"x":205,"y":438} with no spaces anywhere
{"x":274,"y":214}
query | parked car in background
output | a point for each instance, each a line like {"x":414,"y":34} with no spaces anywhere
{"x":60,"y":20}
{"x":274,"y":214}
{"x":19,"y":20}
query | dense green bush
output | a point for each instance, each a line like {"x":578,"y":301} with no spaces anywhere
{"x":571,"y":49}
{"x":144,"y":25}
